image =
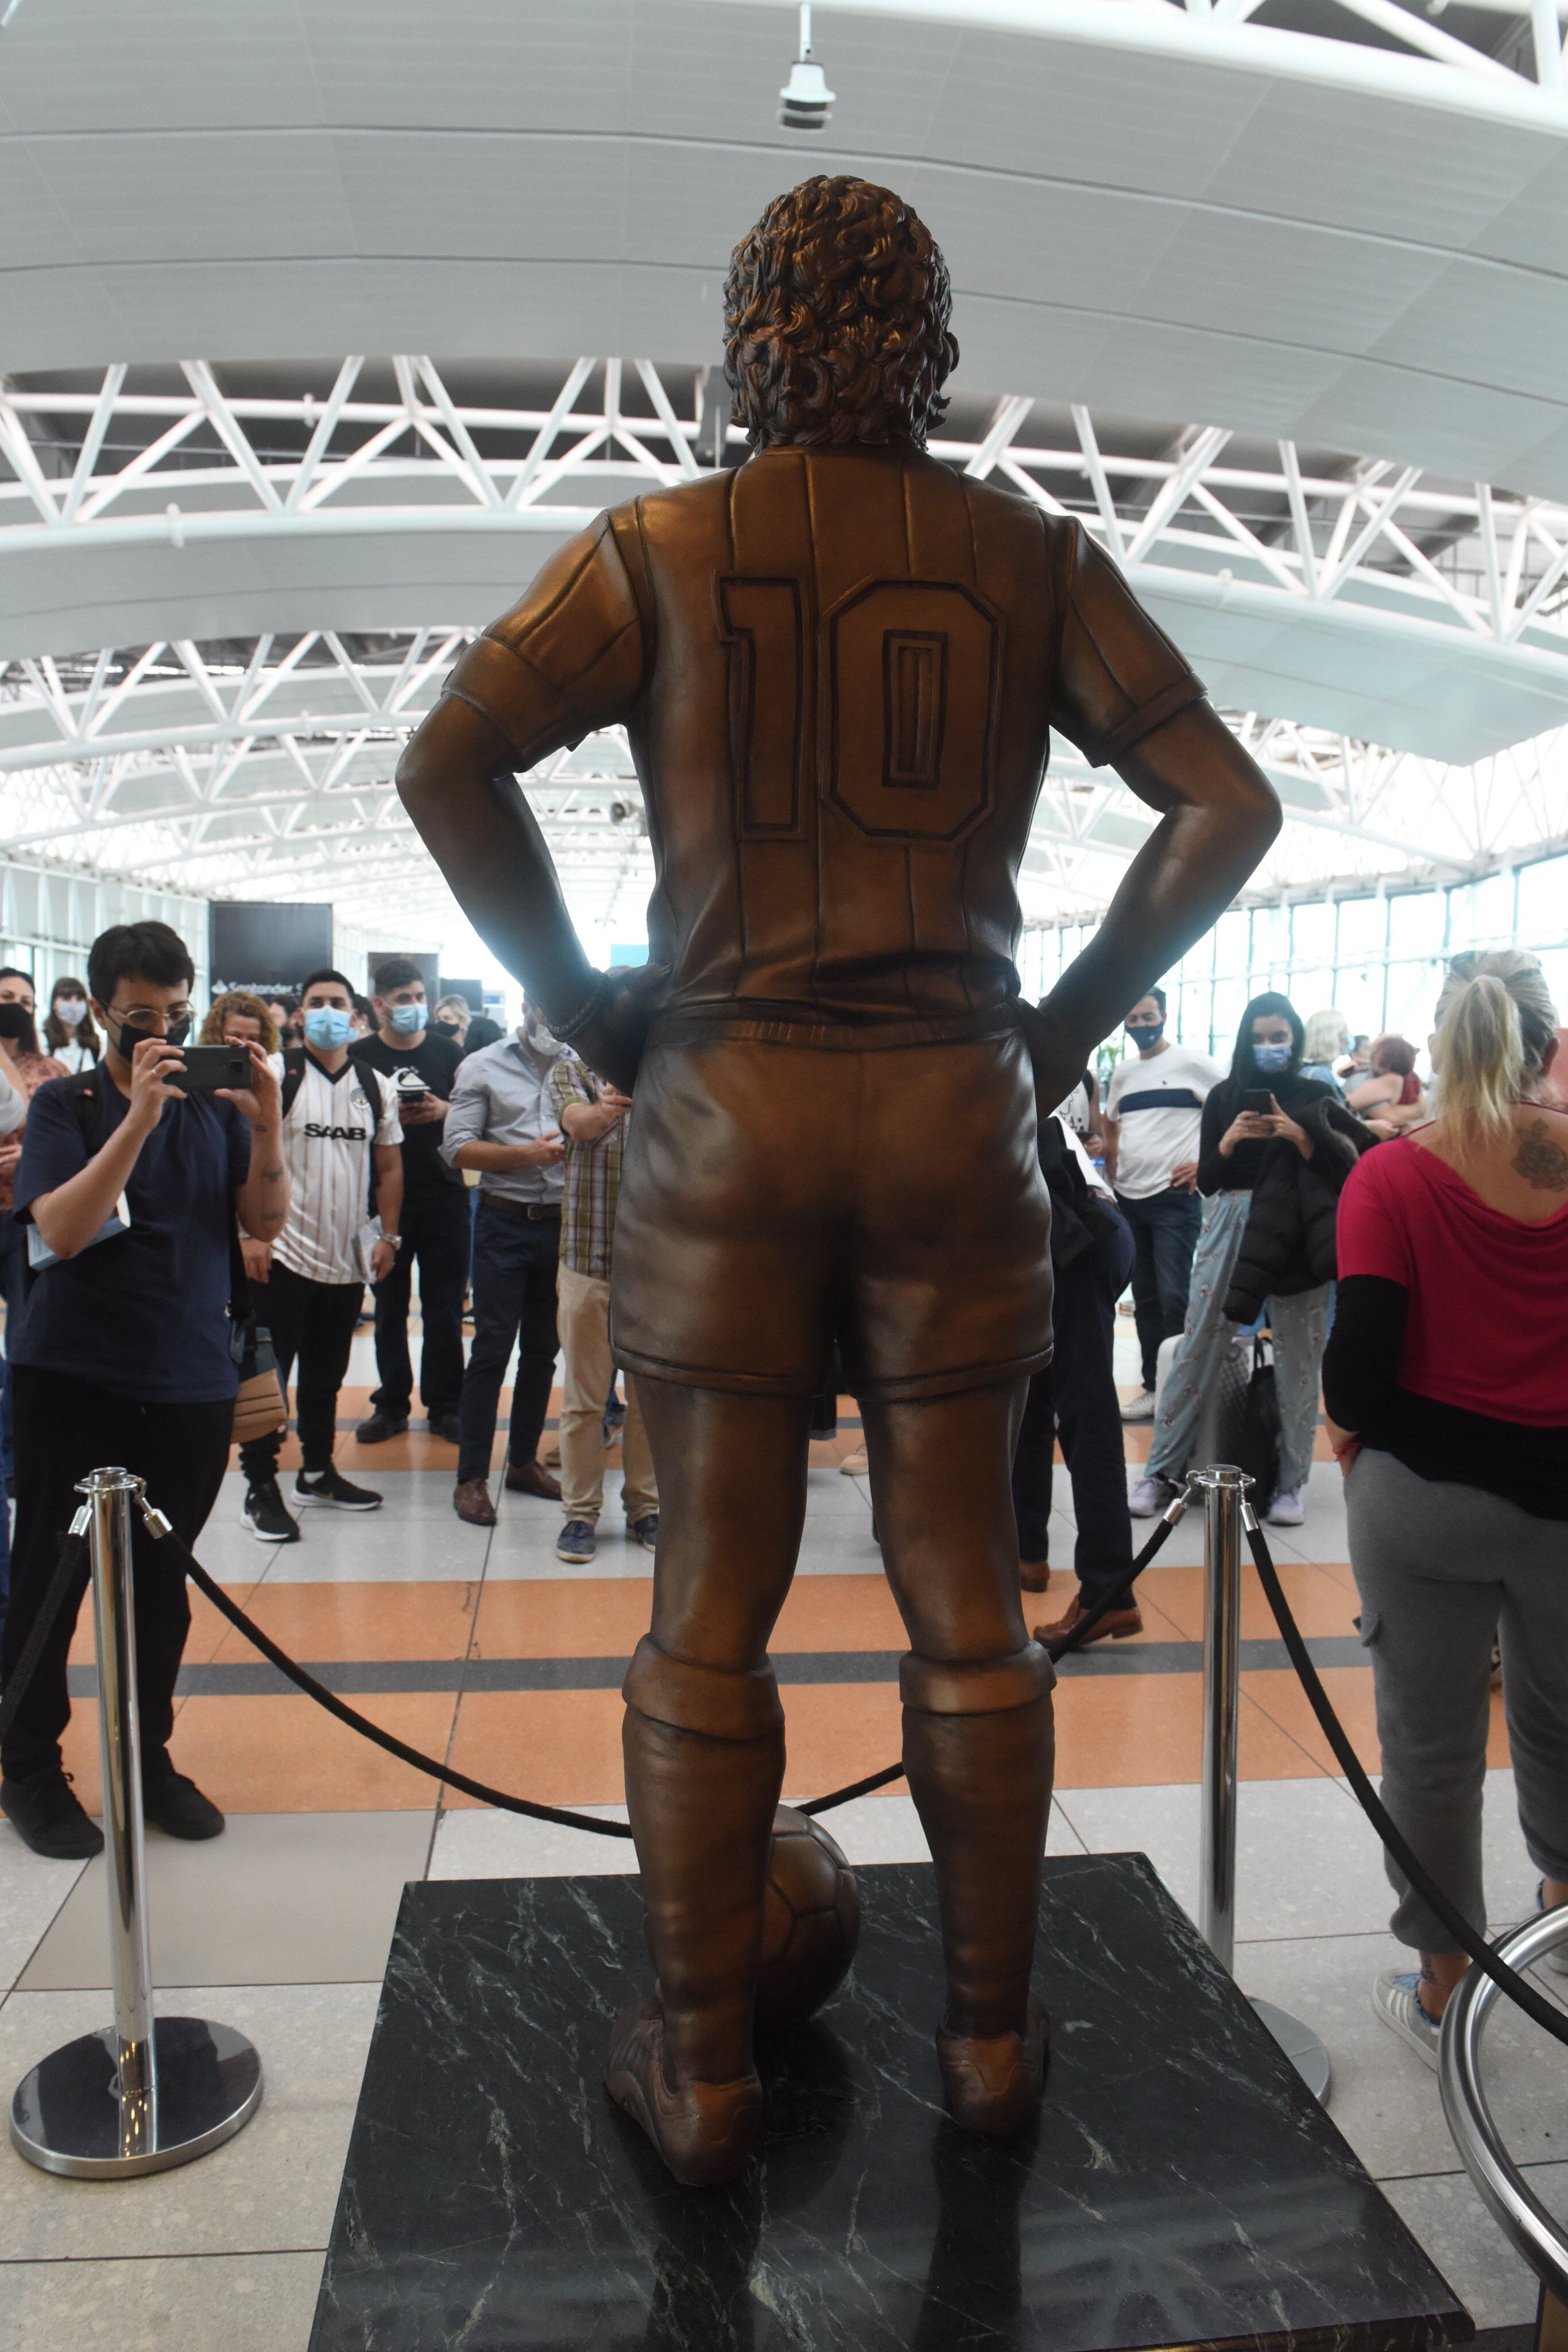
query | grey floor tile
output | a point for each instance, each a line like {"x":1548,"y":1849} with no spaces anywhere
{"x":1307,"y":1862}
{"x":206,"y":2302}
{"x":272,"y":2189}
{"x":1385,"y":2098}
{"x":1493,"y":2283}
{"x":478,"y":1842}
{"x":281,"y":1898}
{"x":31,"y":1894}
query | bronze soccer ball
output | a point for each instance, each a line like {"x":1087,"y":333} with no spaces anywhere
{"x":811,"y":1920}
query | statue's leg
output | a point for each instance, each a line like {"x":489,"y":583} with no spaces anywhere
{"x":979,"y":1745}
{"x":704,"y":1746}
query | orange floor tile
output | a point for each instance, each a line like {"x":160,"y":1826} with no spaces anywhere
{"x":559,"y":1748}
{"x":288,"y":1756}
{"x":359,"y":1622}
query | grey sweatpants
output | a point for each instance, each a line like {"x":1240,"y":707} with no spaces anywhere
{"x":1443,"y":1571}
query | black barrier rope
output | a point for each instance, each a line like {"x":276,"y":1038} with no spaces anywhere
{"x":1508,"y":1980}
{"x":157,"y":1525}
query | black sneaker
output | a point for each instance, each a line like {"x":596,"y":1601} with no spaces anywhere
{"x":177,"y":1807}
{"x":380,"y":1426}
{"x":645,"y":1530}
{"x":577,"y":1542}
{"x":447,"y":1427}
{"x":332,"y":1487}
{"x":267,"y":1517}
{"x":46,"y":1816}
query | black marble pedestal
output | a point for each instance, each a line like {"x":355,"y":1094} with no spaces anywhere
{"x":1181,"y":2186}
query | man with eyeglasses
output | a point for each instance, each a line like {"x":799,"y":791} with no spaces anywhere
{"x":132,"y":1187}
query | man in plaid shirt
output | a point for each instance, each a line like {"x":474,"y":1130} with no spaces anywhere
{"x":592,"y":1118}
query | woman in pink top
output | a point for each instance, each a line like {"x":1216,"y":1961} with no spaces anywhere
{"x":1447,"y":1387}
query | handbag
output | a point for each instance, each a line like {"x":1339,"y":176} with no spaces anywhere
{"x":260,"y":1406}
{"x":1257,"y":1448}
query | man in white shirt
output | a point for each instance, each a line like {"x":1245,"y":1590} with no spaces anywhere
{"x":1154,"y":1108}
{"x":341,"y":1141}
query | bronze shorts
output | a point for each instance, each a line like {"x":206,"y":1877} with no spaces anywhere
{"x":775,"y":1196}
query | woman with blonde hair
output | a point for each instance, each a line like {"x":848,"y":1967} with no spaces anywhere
{"x":238,"y":1018}
{"x":1447,"y":1387}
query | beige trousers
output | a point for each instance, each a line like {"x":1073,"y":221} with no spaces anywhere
{"x":582,"y":1321}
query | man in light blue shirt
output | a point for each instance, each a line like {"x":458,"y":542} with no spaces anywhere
{"x":502,"y":1124}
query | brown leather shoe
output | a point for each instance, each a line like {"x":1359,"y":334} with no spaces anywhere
{"x":1116,"y":1623}
{"x":993,"y":2085}
{"x":533,"y":1478}
{"x":471,"y":1501}
{"x":1034,"y":1575}
{"x":704,"y":2131}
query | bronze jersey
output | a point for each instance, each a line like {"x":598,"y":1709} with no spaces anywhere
{"x":838,"y":670}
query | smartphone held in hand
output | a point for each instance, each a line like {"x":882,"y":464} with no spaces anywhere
{"x":204,"y":1068}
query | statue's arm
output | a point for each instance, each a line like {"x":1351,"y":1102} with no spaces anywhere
{"x":457,"y":783}
{"x":567,"y":659}
{"x":1218,"y":814}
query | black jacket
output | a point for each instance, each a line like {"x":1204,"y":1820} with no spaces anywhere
{"x":1289,"y":1243}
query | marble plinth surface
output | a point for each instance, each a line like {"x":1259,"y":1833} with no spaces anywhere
{"x":1181,"y":2186}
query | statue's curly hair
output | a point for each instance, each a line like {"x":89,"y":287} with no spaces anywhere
{"x":836,"y":316}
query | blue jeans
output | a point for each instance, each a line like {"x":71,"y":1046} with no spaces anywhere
{"x":515,"y":1262}
{"x":1164,"y":1235}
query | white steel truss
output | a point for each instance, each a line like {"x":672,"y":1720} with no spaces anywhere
{"x":1376,"y":533}
{"x":266,"y":769}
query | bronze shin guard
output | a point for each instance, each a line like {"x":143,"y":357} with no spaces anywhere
{"x":705,"y":1764}
{"x":979,"y":1750}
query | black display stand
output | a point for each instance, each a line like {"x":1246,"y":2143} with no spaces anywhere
{"x":1181,"y":2186}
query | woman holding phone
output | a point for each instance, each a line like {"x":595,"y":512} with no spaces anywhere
{"x":1256,"y":1106}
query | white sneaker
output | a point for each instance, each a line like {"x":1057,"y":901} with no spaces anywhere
{"x":1289,"y":1510}
{"x":855,"y":1466}
{"x":1142,"y":1407}
{"x":1556,"y":1960}
{"x":1396,"y":1998}
{"x":1149,"y":1497}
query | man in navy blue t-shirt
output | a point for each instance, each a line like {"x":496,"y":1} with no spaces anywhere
{"x":123,"y":1353}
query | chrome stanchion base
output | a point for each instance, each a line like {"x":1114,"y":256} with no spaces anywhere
{"x":1300,"y":2046}
{"x":66,"y":2116}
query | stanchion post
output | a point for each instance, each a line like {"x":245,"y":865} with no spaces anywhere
{"x":1224,"y":1487}
{"x":143,"y":2093}
{"x":109,"y":1493}
{"x":1226,"y":1511}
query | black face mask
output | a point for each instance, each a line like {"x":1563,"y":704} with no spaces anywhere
{"x":127,"y":1037}
{"x":16,"y":1020}
{"x":447,"y":1028}
{"x":1145,"y":1033}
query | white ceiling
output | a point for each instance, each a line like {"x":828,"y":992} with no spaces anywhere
{"x":1135,"y":219}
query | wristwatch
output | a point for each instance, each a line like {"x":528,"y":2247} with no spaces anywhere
{"x":392,"y":1241}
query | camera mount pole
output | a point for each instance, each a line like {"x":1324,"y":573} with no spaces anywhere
{"x":144,"y":2093}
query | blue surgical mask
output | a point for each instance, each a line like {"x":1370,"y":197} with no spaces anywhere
{"x":1272,"y":1058}
{"x":327,"y":1026}
{"x":409,"y":1019}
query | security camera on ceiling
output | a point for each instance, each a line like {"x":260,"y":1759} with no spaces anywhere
{"x":805,"y":102}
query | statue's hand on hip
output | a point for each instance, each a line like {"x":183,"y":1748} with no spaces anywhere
{"x":630,"y":1002}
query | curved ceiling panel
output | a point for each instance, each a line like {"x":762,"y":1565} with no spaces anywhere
{"x":1138,"y":218}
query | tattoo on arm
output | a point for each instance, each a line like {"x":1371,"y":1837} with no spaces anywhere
{"x":1542,"y":1163}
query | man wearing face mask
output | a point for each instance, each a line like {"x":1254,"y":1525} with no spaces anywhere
{"x":421,"y":1063}
{"x":503,"y":1122}
{"x":123,"y":1354}
{"x":341,"y":1138}
{"x":1152,"y":1110}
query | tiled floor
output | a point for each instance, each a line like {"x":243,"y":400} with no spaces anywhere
{"x":485,"y":1651}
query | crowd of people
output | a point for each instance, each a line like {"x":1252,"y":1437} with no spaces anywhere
{"x":156,"y":1225}
{"x":1404,"y":1248}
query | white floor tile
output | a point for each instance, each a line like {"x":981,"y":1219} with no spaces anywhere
{"x":32,"y":1893}
{"x":473,"y":1842}
{"x":273,"y":2187}
{"x":211,"y":2303}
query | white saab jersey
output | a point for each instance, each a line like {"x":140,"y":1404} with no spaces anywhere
{"x":327,"y":1139}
